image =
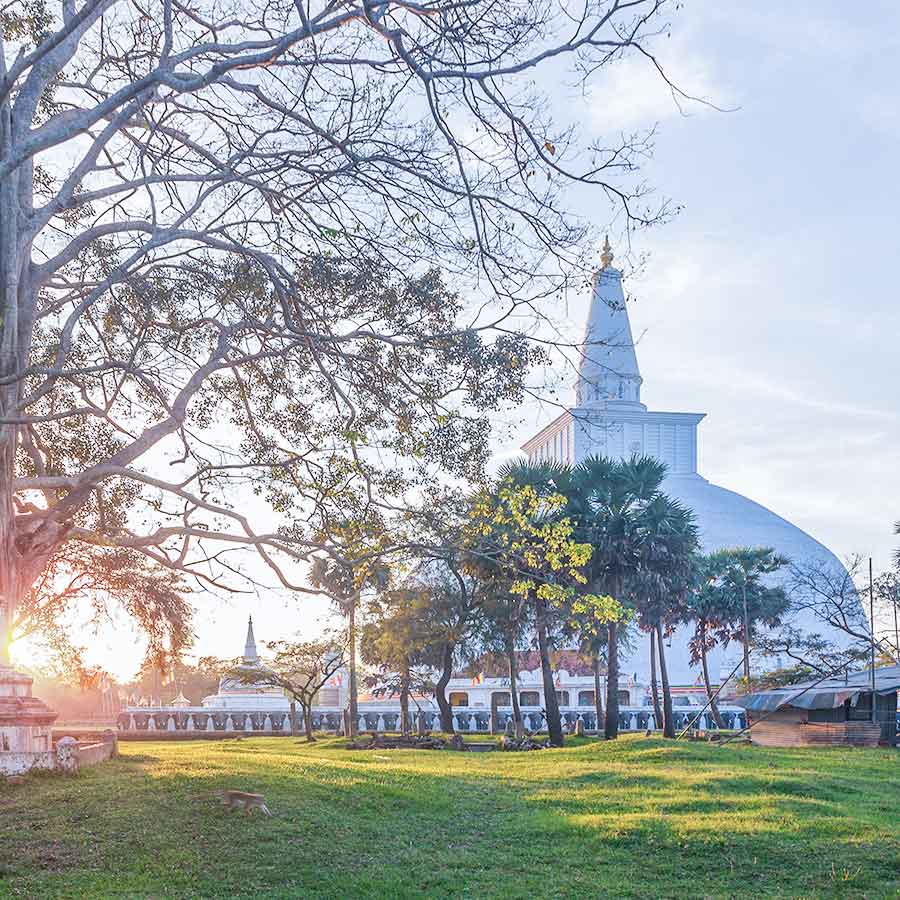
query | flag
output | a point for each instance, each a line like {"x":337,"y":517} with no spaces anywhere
{"x":478,"y":679}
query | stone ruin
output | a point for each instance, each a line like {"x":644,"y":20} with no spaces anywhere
{"x":26,"y":738}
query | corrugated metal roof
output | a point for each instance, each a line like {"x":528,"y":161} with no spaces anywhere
{"x":827,"y":694}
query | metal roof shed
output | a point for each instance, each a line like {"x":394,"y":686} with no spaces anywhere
{"x":833,"y":711}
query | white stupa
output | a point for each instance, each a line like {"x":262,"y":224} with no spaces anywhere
{"x":609,"y":419}
{"x":235,"y":693}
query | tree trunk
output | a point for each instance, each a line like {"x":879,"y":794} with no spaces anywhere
{"x":293,"y":718}
{"x":611,"y":727}
{"x":404,"y":700}
{"x":598,"y":697}
{"x":654,"y":687}
{"x":5,"y":632}
{"x":307,"y":722}
{"x":717,"y":718}
{"x":514,"y":691}
{"x":440,"y":690}
{"x":353,"y":698}
{"x":551,"y":705}
{"x":668,"y":717}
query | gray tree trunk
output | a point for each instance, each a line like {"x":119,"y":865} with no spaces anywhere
{"x":654,"y":686}
{"x":668,"y":715}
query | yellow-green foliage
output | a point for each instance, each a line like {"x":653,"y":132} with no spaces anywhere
{"x":522,"y":533}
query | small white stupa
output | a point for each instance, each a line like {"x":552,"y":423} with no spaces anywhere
{"x":235,"y":693}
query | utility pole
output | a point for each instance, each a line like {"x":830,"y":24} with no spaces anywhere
{"x":896,"y":630}
{"x":872,"y":634}
{"x":746,"y":636}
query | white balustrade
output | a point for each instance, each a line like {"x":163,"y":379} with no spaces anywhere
{"x":465,"y":719}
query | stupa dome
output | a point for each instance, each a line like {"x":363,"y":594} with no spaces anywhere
{"x":610,"y":420}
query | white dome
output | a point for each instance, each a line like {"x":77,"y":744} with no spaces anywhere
{"x":727,"y":519}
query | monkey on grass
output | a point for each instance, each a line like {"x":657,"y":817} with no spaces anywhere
{"x":242,"y":800}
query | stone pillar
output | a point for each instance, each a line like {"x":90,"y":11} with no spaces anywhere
{"x":67,"y":755}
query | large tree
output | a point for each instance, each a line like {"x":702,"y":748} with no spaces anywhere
{"x":344,"y":584}
{"x":612,"y":503}
{"x":219,"y":230}
{"x":520,"y":535}
{"x":659,"y":583}
{"x":728,"y":602}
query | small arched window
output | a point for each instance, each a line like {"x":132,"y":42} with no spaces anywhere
{"x":530,"y":698}
{"x":501,"y":698}
{"x":624,"y":698}
{"x":562,"y":698}
{"x":585,"y":698}
{"x":459,"y":698}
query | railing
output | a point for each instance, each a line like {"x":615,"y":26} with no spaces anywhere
{"x":465,"y":719}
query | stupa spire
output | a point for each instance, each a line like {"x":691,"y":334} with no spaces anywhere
{"x":608,"y":372}
{"x":607,"y":256}
{"x":250,"y":654}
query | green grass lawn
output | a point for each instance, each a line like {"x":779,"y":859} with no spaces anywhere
{"x":639,"y":817}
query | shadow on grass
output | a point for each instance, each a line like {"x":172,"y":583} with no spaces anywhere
{"x":633,"y":819}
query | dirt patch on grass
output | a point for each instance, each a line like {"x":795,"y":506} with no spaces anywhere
{"x":47,"y":855}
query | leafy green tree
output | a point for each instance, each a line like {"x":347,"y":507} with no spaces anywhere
{"x":505,"y":623}
{"x":451,"y":620}
{"x":397,"y":641}
{"x":517,"y":529}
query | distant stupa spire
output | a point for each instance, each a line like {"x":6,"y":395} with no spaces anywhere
{"x":606,"y":257}
{"x":250,"y":654}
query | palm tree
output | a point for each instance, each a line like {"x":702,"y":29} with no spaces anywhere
{"x":712,"y":610}
{"x":661,"y":583}
{"x":609,"y":501}
{"x":344,"y":584}
{"x":747,"y":567}
{"x":727,"y":598}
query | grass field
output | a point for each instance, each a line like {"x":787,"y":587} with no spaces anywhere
{"x":636,"y":818}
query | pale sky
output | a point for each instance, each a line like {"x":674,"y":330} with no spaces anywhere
{"x":770,"y":302}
